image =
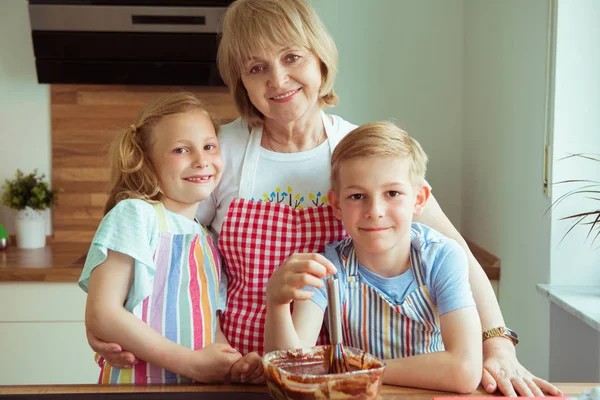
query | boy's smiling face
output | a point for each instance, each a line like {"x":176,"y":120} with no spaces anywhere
{"x":376,"y":200}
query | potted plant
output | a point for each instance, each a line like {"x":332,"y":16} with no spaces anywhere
{"x":29,"y":195}
{"x":590,"y":218}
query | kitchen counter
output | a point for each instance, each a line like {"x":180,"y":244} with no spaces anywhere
{"x":63,"y":261}
{"x":221,"y":392}
{"x":57,"y":262}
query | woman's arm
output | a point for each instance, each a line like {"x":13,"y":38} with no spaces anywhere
{"x":483,"y":293}
{"x":107,"y":319}
{"x":456,"y":369}
{"x":501,"y":369}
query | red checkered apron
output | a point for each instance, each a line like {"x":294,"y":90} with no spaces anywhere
{"x":257,"y":237}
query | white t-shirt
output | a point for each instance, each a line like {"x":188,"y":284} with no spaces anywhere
{"x":302,"y":178}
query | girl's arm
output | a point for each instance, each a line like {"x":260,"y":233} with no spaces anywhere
{"x":219,"y":335}
{"x":107,"y":319}
{"x":456,"y":369}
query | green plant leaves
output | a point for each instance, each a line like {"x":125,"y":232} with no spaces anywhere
{"x":29,"y":190}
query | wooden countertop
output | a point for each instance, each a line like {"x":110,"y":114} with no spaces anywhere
{"x":57,"y":262}
{"x":387,"y":392}
{"x":62,"y":262}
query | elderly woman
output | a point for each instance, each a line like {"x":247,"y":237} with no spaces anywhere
{"x":280,"y":65}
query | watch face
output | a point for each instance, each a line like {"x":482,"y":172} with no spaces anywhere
{"x":512,"y":333}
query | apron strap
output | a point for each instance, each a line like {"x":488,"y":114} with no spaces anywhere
{"x":250,"y":162}
{"x":334,"y":137}
{"x":415,"y":264}
{"x":162,"y":217}
{"x":349,"y":259}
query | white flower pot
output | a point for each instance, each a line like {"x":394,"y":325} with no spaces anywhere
{"x":31,"y":229}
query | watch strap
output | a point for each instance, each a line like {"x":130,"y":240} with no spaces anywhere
{"x":501,"y":331}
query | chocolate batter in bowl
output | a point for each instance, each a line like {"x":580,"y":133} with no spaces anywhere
{"x":302,"y":374}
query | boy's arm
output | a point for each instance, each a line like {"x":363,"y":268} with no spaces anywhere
{"x":456,"y":369}
{"x":107,"y":319}
{"x":292,"y":282}
{"x":286,"y":331}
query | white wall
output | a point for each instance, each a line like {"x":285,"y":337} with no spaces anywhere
{"x":574,"y":346}
{"x":576,"y":130}
{"x":402,"y":60}
{"x":504,"y":126}
{"x":24,"y":104}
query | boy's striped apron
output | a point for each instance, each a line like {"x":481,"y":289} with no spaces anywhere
{"x":371,"y":323}
{"x":183,"y":303}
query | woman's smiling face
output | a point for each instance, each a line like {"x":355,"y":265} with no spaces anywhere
{"x":283,"y":85}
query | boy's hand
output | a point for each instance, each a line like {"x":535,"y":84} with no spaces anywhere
{"x":298,"y":271}
{"x":248,"y":369}
{"x":211,"y":363}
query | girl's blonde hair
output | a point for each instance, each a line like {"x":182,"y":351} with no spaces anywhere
{"x":380,"y":139}
{"x":256,"y":26}
{"x":132,"y":173}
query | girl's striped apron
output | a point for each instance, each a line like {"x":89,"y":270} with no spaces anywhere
{"x":371,"y":323}
{"x":256,"y":238}
{"x":183,"y":303}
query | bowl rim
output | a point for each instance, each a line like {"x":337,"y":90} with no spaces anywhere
{"x":330,"y":376}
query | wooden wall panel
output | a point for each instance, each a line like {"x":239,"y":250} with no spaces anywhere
{"x":85,"y":118}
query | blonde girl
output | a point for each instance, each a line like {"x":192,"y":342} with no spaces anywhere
{"x":152,"y":273}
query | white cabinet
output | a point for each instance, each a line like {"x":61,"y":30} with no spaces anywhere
{"x":42,"y":335}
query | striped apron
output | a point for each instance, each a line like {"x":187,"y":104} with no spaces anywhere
{"x":183,"y":303}
{"x":371,"y":323}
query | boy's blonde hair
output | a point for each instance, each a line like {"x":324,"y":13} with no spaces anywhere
{"x":254,"y":26}
{"x":132,"y":173}
{"x":379,"y":139}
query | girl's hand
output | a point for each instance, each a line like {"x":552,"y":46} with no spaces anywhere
{"x":298,"y":271}
{"x":212,"y":363}
{"x":112,"y":353}
{"x":248,"y":369}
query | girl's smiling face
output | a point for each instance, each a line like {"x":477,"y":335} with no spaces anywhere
{"x":186,"y":157}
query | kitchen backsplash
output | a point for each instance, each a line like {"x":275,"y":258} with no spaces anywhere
{"x":84,"y":120}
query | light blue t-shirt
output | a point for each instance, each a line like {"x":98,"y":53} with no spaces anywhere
{"x":131,"y":228}
{"x":444,"y":265}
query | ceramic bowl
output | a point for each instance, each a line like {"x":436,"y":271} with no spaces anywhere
{"x":303,"y":374}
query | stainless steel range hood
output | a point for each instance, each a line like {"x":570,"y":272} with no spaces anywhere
{"x":147,"y":42}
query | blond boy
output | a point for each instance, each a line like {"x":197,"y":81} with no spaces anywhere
{"x":405,"y":292}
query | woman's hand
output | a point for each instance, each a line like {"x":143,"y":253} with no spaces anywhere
{"x":112,"y":353}
{"x":248,"y":369}
{"x":212,"y":363}
{"x":298,"y":271}
{"x":502,"y":370}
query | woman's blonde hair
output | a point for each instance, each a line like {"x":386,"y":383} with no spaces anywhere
{"x":132,"y":175}
{"x":256,"y":26}
{"x":380,"y":139}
